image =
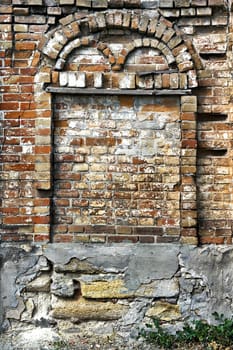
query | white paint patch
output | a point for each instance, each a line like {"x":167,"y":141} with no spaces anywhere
{"x":27,"y":149}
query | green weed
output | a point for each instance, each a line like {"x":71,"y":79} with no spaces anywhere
{"x":60,"y":345}
{"x":199,"y":332}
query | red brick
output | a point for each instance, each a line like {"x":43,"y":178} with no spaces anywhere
{"x":41,"y":219}
{"x":9,"y":106}
{"x":189,"y":144}
{"x":189,"y":232}
{"x":212,"y":240}
{"x":146,"y":239}
{"x":43,"y":149}
{"x":148,"y":231}
{"x":42,"y":202}
{"x":65,"y":238}
{"x":42,"y":238}
{"x":19,"y":167}
{"x":168,"y":239}
{"x":15,"y":220}
{"x":122,"y":238}
{"x":9,"y":158}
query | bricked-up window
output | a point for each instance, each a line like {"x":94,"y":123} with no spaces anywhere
{"x":121,"y":163}
{"x":117,"y":167}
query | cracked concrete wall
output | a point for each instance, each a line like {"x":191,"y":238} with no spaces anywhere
{"x":106,"y":291}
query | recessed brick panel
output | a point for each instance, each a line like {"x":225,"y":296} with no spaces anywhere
{"x":117,"y":162}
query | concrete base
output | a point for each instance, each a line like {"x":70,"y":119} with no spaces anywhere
{"x":106,"y":293}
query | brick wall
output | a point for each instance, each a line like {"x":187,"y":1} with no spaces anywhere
{"x":175,"y":167}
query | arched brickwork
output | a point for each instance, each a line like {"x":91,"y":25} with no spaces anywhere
{"x":156,"y":32}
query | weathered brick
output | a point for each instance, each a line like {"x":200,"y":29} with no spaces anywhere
{"x":127,"y":81}
{"x":199,"y":2}
{"x":160,"y":30}
{"x":152,"y":26}
{"x":99,"y":3}
{"x":204,"y":11}
{"x":66,"y":2}
{"x":166,"y":3}
{"x":182,"y":3}
{"x":83,"y":3}
{"x":216,"y":3}
{"x":188,"y":12}
{"x":30,"y":19}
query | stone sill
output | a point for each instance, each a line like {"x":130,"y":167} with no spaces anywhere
{"x":135,"y":92}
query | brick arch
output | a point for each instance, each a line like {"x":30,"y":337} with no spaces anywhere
{"x":146,"y":43}
{"x":87,"y":41}
{"x":182,"y":60}
{"x":156,"y":32}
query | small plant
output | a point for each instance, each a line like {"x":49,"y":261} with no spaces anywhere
{"x":199,"y":332}
{"x":60,"y":345}
{"x":157,"y":335}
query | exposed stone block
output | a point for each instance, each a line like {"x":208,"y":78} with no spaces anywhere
{"x":105,"y":290}
{"x":85,"y":310}
{"x":165,"y":311}
{"x":159,"y":289}
{"x":40,"y":284}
